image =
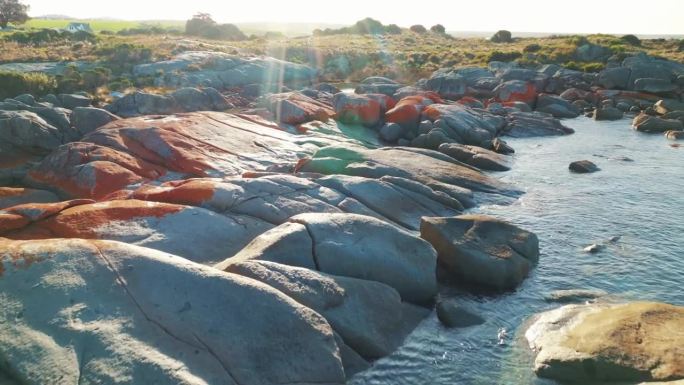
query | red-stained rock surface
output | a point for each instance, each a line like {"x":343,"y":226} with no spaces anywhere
{"x":364,"y":109}
{"x":407,"y":111}
{"x":296,"y":108}
{"x":141,"y":149}
{"x":516,"y":91}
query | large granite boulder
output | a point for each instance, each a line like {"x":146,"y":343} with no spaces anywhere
{"x":350,"y":245}
{"x":607,"y":113}
{"x":632,"y":342}
{"x":464,"y":125}
{"x":614,"y":78}
{"x":194,"y":233}
{"x":221,"y":70}
{"x":368,"y":315}
{"x":25,"y":138}
{"x":297,"y":108}
{"x":649,"y":123}
{"x":449,"y":85}
{"x":476,"y":156}
{"x":556,"y":106}
{"x":107,"y":312}
{"x":407,"y":112}
{"x":87,"y":119}
{"x":182,"y":100}
{"x":431,"y":168}
{"x":12,"y":196}
{"x":516,"y":91}
{"x":526,"y":124}
{"x":482,"y":250}
{"x":378,"y":85}
{"x":130,"y":151}
{"x":357,"y":109}
{"x":654,"y":85}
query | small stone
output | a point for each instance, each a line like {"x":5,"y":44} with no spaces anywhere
{"x":593,"y":248}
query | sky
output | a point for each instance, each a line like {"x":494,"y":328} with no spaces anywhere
{"x":566,"y":16}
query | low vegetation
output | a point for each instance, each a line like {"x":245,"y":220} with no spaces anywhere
{"x":346,"y":54}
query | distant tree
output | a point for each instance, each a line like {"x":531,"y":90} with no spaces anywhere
{"x":199,"y":23}
{"x":502,"y":36}
{"x":12,"y":11}
{"x":203,"y":25}
{"x":418,"y":28}
{"x":438,"y":28}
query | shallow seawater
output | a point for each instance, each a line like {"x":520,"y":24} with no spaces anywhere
{"x":641,"y":201}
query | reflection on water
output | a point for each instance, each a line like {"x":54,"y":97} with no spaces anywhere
{"x":638,"y":195}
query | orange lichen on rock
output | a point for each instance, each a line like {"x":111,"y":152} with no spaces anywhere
{"x":87,"y":170}
{"x":408,"y":110}
{"x":83,"y":221}
{"x":517,"y":92}
{"x":193,"y":192}
{"x":20,"y":216}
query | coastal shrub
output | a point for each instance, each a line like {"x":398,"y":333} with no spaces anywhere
{"x":17,"y":83}
{"x":502,"y":36}
{"x":367,"y":26}
{"x":438,"y":28}
{"x":503,"y":56}
{"x":203,"y":25}
{"x":418,"y":28}
{"x":578,"y":40}
{"x":48,"y":36}
{"x":585,"y":67}
{"x":681,"y":46}
{"x":123,"y":56}
{"x":149,"y":30}
{"x":631,"y":40}
{"x":393,"y":29}
{"x":532,"y":48}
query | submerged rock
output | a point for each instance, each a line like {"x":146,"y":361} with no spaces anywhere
{"x":640,"y":341}
{"x":452,"y":315}
{"x":481,"y":249}
{"x":574,"y":295}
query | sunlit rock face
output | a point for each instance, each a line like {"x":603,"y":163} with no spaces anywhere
{"x":221,"y":70}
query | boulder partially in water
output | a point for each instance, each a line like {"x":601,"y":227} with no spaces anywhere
{"x":649,"y":123}
{"x":583,"y":167}
{"x":350,"y":245}
{"x":639,"y":341}
{"x":481,"y":249}
{"x":476,"y":156}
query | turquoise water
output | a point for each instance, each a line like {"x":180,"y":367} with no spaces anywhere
{"x":641,"y":201}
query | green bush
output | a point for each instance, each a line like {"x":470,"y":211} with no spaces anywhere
{"x":503,"y":56}
{"x":681,"y":45}
{"x":532,"y":48}
{"x":585,"y":67}
{"x":48,"y":36}
{"x":631,"y":40}
{"x":578,"y":41}
{"x":122,"y":57}
{"x":17,"y":83}
{"x":203,"y":25}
